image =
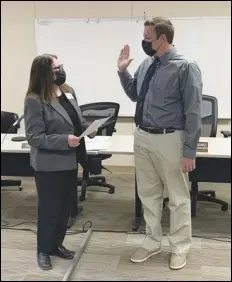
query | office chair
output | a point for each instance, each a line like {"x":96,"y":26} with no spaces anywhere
{"x":209,"y":129}
{"x":7,"y":120}
{"x":93,"y":166}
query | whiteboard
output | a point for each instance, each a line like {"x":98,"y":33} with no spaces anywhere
{"x":89,"y":50}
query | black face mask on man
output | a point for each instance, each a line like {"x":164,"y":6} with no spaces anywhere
{"x":60,"y":77}
{"x":147,"y":48}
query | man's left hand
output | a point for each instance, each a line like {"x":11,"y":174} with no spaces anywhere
{"x":188,"y":165}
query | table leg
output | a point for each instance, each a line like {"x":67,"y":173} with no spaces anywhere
{"x":138,"y":216}
{"x":194,"y":194}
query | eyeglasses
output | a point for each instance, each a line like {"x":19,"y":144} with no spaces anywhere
{"x":60,"y":67}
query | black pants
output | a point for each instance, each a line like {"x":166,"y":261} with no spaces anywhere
{"x":85,"y":176}
{"x":56,"y":190}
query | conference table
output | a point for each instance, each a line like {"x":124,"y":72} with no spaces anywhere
{"x":15,"y":155}
{"x":212,"y":166}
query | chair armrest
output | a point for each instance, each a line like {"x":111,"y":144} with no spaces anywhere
{"x":226,"y":134}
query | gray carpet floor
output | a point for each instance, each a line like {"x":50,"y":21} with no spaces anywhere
{"x":107,"y":256}
{"x":114,"y":212}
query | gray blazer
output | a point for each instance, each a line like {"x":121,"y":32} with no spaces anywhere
{"x":47,"y":127}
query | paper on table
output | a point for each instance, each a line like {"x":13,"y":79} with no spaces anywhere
{"x":94,"y":126}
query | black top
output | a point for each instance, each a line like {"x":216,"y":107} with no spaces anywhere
{"x":71,"y":111}
{"x":72,"y":114}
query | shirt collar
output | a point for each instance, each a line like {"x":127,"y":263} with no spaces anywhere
{"x":167,"y":56}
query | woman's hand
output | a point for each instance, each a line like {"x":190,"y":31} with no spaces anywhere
{"x":73,"y":141}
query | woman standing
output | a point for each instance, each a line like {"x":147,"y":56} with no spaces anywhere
{"x":53,"y":124}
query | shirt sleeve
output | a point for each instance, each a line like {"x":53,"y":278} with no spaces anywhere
{"x":191,"y":87}
{"x":129,"y":84}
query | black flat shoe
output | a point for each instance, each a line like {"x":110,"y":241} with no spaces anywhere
{"x":44,"y":261}
{"x":63,"y":253}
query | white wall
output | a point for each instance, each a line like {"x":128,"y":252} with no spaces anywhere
{"x":18,"y":40}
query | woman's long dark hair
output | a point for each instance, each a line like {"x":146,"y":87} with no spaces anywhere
{"x":41,"y":80}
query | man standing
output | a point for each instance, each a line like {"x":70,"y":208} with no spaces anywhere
{"x":168,"y":91}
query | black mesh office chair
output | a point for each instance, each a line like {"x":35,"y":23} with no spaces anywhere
{"x":209,"y":129}
{"x":7,"y":120}
{"x":91,"y":112}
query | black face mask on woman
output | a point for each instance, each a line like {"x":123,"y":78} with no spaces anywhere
{"x":60,"y":77}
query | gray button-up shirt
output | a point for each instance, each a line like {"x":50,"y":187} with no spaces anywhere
{"x":174,"y":96}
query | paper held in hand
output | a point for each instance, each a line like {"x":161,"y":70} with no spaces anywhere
{"x":94,"y":126}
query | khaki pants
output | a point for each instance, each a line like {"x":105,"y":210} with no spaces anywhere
{"x":158,"y":166}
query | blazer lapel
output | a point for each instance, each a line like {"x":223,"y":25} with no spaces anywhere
{"x":78,"y":110}
{"x":76,"y":107}
{"x":70,"y":94}
{"x":57,"y":106}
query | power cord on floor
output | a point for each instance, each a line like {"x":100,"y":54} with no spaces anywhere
{"x":7,"y":224}
{"x":4,"y":223}
{"x":88,"y":224}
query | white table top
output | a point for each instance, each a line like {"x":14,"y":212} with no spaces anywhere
{"x":219,"y":147}
{"x":9,"y":146}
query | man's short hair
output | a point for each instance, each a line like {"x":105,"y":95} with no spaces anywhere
{"x":162,"y":26}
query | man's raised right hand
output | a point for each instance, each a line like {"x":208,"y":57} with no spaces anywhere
{"x":124,"y":58}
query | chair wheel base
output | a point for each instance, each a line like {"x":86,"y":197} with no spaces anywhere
{"x":213,"y":195}
{"x":224,"y":207}
{"x":20,"y":188}
{"x":82,"y":198}
{"x":111,"y":191}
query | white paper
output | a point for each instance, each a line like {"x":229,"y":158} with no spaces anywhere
{"x":94,"y":126}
